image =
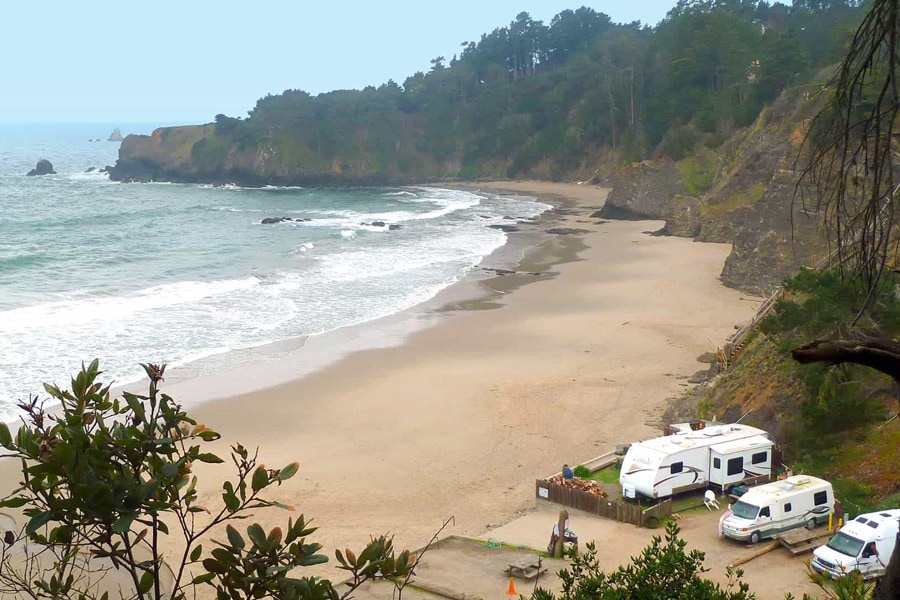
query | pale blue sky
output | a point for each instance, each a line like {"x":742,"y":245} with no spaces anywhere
{"x":187,"y":60}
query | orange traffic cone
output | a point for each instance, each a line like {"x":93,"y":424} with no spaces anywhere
{"x":512,"y":588}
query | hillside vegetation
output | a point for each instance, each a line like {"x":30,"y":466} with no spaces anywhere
{"x":551,"y":101}
{"x":835,"y":421}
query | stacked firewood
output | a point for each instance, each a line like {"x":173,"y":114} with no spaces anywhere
{"x":582,"y":485}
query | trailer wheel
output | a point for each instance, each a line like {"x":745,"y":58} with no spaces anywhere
{"x":811,"y":524}
{"x":754,"y":537}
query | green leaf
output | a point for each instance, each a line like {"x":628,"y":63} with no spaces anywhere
{"x":234,"y":538}
{"x":38,"y":521}
{"x":146,"y":582}
{"x":169,"y":470}
{"x":257,"y":534}
{"x":208,"y":457}
{"x":231,"y":501}
{"x":209,"y":436}
{"x":260,"y":479}
{"x":14,"y":502}
{"x":213,"y":566}
{"x":205,"y":578}
{"x":135,"y":405}
{"x":123,"y":524}
{"x":5,"y":436}
{"x":196,"y":552}
{"x":289,"y":471}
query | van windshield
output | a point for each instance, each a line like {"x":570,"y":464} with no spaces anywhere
{"x":845,"y":544}
{"x":744,"y":510}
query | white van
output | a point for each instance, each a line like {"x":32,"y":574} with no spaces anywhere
{"x":851,"y":549}
{"x":767,"y":510}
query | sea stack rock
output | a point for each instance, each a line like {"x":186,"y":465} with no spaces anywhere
{"x":115,"y":136}
{"x":43,"y":167}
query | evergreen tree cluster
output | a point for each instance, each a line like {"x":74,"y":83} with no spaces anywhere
{"x":537,"y":99}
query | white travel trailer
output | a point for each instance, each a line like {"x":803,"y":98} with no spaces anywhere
{"x":851,"y":548}
{"x":720,"y":455}
{"x":767,"y":510}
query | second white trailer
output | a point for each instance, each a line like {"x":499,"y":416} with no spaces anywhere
{"x":720,"y":455}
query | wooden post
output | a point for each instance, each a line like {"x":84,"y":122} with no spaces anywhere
{"x":561,"y":539}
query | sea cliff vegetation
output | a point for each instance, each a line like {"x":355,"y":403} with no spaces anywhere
{"x":561,"y":100}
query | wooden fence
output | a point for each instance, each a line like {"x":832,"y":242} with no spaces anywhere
{"x":618,"y":510}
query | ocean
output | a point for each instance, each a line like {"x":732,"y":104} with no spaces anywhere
{"x":186,"y":274}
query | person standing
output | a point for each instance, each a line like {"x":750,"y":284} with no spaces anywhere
{"x":567,"y":472}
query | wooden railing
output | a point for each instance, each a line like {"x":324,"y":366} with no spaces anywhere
{"x":735,"y":342}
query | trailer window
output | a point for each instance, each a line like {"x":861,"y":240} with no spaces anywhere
{"x":717,"y":463}
{"x":736,"y":465}
{"x":820,"y":498}
{"x":759,"y":458}
{"x":677,"y":467}
{"x":787,"y":507}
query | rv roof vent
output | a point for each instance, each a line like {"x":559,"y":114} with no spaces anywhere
{"x":861,"y":520}
{"x":886,"y":515}
{"x":872,"y":524}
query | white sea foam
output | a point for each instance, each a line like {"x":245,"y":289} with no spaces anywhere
{"x":66,"y":313}
{"x":223,"y":284}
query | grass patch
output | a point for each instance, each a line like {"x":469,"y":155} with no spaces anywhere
{"x":698,"y":172}
{"x":608,"y":474}
{"x":735,"y":201}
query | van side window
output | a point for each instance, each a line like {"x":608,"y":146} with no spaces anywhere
{"x":787,"y":507}
{"x":677,"y":467}
{"x":759,"y":458}
{"x":736,"y":465}
{"x":765,"y":512}
{"x":820,"y":498}
{"x":717,"y":463}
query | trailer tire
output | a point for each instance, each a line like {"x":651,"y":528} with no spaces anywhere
{"x":754,"y":537}
{"x":811,"y":524}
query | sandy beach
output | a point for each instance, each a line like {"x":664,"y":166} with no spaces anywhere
{"x":516,"y":375}
{"x":460,"y":418}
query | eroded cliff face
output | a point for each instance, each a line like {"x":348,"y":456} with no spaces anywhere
{"x":198,"y":153}
{"x":749,"y":203}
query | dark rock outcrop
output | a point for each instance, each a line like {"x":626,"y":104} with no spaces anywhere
{"x":505,"y":228}
{"x":273,"y":220}
{"x":43,"y":167}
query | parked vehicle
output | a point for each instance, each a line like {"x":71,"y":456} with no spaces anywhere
{"x":767,"y":510}
{"x":720,"y":455}
{"x":864,"y":545}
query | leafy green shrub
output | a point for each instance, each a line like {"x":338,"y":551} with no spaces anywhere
{"x":582,"y":472}
{"x":663,"y":570}
{"x":105,"y":479}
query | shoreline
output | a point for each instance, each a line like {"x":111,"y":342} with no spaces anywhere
{"x":276,"y":363}
{"x":459,"y":418}
{"x":460,"y":403}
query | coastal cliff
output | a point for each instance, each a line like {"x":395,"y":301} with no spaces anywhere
{"x":743,"y":193}
{"x":197,"y":154}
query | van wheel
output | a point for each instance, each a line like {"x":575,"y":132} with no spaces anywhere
{"x":754,"y":537}
{"x":811,"y":524}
